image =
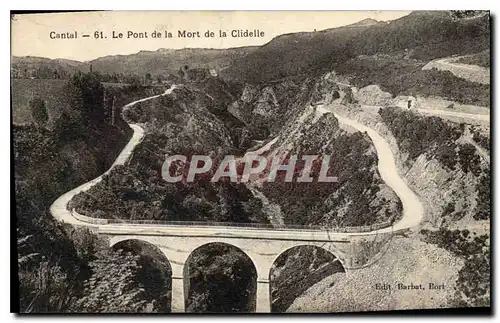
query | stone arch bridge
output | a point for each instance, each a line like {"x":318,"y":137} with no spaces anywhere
{"x":262,"y":246}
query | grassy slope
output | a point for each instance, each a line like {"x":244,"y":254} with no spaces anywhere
{"x":23,"y":90}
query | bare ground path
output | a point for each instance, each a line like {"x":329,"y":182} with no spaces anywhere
{"x":471,"y":73}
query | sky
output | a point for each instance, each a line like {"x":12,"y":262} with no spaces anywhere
{"x":31,"y":34}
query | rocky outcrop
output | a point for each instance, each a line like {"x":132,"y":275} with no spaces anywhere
{"x":270,"y":105}
{"x":325,"y":90}
{"x":373,"y":95}
{"x":255,"y":104}
{"x":405,"y":102}
{"x":249,"y":93}
{"x":266,"y":103}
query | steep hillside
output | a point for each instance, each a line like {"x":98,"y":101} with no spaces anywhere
{"x":190,"y":121}
{"x":480,"y":59}
{"x":447,"y":153}
{"x":447,"y":165}
{"x":359,"y":197}
{"x":403,"y":76}
{"x":49,"y":159}
{"x":181,"y":123}
{"x":420,"y":35}
{"x":266,"y":107}
{"x":472,"y":73}
{"x":24,"y":90}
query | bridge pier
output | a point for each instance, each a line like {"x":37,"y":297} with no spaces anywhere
{"x":263,"y":263}
{"x":263,"y":301}
{"x":177,"y":295}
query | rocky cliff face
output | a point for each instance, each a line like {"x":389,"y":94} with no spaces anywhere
{"x":255,"y":104}
{"x":275,"y":103}
{"x":271,"y":105}
{"x":451,"y":195}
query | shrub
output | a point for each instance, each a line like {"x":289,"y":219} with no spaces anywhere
{"x":38,"y":111}
{"x":473,"y":283}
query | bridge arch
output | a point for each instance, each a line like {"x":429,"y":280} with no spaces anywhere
{"x":296,"y":269}
{"x":326,"y":247}
{"x":155,"y":273}
{"x":238,"y":280}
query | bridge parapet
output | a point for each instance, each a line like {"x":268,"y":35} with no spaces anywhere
{"x":351,"y":229}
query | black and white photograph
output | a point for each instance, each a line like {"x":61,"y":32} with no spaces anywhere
{"x":250,"y":161}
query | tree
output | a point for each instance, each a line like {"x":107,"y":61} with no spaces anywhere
{"x":148,"y":79}
{"x":113,"y":286}
{"x":45,"y":284}
{"x":222,"y":280}
{"x":38,"y":111}
{"x":460,"y":14}
{"x":348,"y":97}
{"x":84,"y":98}
{"x":44,"y":288}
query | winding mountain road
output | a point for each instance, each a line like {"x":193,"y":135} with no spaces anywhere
{"x":471,"y":116}
{"x":59,"y":209}
{"x":441,"y":113}
{"x":413,"y":210}
{"x":412,"y":207}
{"x":471,"y":73}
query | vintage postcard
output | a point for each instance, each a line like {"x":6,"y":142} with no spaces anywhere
{"x":251,"y":161}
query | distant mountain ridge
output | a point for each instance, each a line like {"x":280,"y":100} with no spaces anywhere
{"x":164,"y":61}
{"x":424,"y":35}
{"x":25,"y":66}
{"x":365,"y":22}
{"x":161,"y":61}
